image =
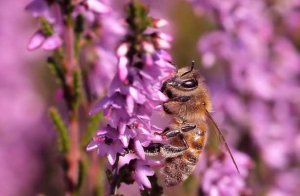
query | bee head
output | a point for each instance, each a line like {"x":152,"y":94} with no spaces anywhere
{"x":188,"y":83}
{"x":186,"y":80}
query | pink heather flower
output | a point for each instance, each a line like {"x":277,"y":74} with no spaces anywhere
{"x":256,"y":43}
{"x":41,"y":8}
{"x":141,"y":173}
{"x":47,"y":43}
{"x":51,"y":14}
{"x":103,"y":67}
{"x":97,"y":6}
{"x":286,"y":183}
{"x":132,"y":97}
{"x":221,"y":177}
{"x":158,"y":23}
{"x":98,"y":17}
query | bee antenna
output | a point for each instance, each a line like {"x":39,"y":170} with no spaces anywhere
{"x":223,"y":140}
{"x":192,"y":68}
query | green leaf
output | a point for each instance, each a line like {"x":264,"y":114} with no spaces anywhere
{"x":55,"y":68}
{"x":81,"y":174}
{"x":62,"y":131}
{"x":78,"y":28}
{"x":137,"y":17}
{"x":79,"y":22}
{"x":77,"y":86}
{"x":109,"y":176}
{"x":93,"y":125}
{"x":46,"y":27}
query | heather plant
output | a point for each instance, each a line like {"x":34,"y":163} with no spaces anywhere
{"x":109,"y":65}
{"x":83,"y":60}
{"x":132,"y":97}
{"x":71,"y":31}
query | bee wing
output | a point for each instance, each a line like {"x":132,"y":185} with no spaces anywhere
{"x":222,"y":139}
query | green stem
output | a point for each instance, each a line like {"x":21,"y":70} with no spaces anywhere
{"x":73,"y":156}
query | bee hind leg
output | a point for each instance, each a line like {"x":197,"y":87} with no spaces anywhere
{"x":166,"y":150}
{"x":176,"y":132}
{"x":153,"y":149}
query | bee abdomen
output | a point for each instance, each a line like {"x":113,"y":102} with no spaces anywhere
{"x":176,"y":170}
{"x":198,"y":140}
{"x":191,"y":156}
{"x":197,"y":145}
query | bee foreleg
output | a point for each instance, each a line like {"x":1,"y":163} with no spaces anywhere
{"x":188,"y":127}
{"x":167,"y":133}
{"x":180,"y":99}
{"x":153,"y":149}
{"x":173,"y":106}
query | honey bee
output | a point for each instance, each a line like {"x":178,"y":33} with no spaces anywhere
{"x":189,"y":105}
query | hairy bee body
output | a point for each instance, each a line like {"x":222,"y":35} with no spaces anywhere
{"x":179,"y":168}
{"x":188,"y":105}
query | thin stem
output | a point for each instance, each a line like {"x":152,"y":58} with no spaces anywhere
{"x":114,"y":187}
{"x":94,"y":171}
{"x":69,"y":53}
{"x":74,"y":154}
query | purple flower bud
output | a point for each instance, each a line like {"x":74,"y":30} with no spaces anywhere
{"x":36,"y":41}
{"x":122,"y":68}
{"x":52,"y":42}
{"x":141,"y":173}
{"x":97,"y":6}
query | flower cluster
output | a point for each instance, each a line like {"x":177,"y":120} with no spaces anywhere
{"x":93,"y":20}
{"x":221,"y":178}
{"x":260,"y":88}
{"x":50,"y":34}
{"x":101,"y":40}
{"x":134,"y":94}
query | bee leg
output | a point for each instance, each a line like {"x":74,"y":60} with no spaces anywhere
{"x":167,"y":133}
{"x":166,"y":150}
{"x":184,"y":142}
{"x":169,"y":151}
{"x":188,"y":127}
{"x":181,"y":99}
{"x":175,"y":132}
{"x":173,"y":106}
{"x":126,"y":151}
{"x":153,"y":149}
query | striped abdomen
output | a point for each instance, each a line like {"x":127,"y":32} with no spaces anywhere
{"x":177,"y":169}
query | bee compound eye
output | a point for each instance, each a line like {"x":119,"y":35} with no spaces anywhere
{"x":192,"y":83}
